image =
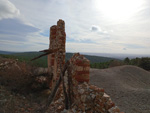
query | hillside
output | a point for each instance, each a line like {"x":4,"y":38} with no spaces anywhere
{"x":129,"y":87}
{"x":93,"y":59}
{"x":42,"y":62}
{"x":6,"y":52}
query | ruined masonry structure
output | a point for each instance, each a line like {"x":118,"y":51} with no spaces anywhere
{"x":57,"y":41}
{"x":80,"y":65}
{"x":85,"y":98}
{"x":80,"y":68}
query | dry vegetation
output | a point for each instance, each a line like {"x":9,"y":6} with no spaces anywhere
{"x":19,"y":90}
{"x":16,"y":76}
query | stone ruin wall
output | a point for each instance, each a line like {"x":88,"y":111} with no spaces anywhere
{"x":57,"y":41}
{"x":86,"y":98}
{"x":80,"y":67}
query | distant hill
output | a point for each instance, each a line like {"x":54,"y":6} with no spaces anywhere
{"x":120,"y":56}
{"x":6,"y":52}
{"x":42,"y":62}
{"x":93,"y":59}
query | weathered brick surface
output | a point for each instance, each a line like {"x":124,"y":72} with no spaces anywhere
{"x":80,"y":68}
{"x":87,"y":99}
{"x":57,"y":41}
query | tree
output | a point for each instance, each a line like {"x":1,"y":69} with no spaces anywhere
{"x":126,"y":60}
{"x":145,"y":63}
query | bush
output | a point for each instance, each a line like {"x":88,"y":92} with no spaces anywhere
{"x":17,"y":77}
{"x":126,"y":60}
{"x":114,"y":63}
{"x":145,"y":63}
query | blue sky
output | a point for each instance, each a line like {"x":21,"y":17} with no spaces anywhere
{"x":99,"y":26}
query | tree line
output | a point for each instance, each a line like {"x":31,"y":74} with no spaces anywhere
{"x":143,"y":62}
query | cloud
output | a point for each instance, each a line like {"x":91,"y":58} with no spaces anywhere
{"x":124,"y":49}
{"x":95,"y":28}
{"x":8,"y":10}
{"x":98,"y":30}
{"x":134,"y":46}
{"x":95,"y":32}
{"x":20,"y":46}
{"x":32,"y":42}
{"x":93,"y":47}
{"x":14,"y":29}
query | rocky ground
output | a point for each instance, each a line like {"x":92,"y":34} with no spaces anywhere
{"x":128,"y":86}
{"x":22,"y":87}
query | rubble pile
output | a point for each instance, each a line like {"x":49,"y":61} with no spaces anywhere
{"x":8,"y":64}
{"x":91,"y":99}
{"x":87,"y":99}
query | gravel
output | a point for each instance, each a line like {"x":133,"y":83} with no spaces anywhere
{"x":128,"y":87}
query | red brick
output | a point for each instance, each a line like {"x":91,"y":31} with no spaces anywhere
{"x":83,"y":73}
{"x":81,"y":79}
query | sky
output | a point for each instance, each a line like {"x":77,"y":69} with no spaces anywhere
{"x":97,"y":26}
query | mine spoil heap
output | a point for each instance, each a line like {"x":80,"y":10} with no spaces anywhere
{"x":74,"y":89}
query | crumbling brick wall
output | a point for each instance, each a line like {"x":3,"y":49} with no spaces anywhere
{"x":80,"y":67}
{"x":56,"y":61}
{"x":87,"y":99}
{"x":57,"y":41}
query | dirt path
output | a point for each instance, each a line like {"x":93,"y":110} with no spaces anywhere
{"x":128,"y":86}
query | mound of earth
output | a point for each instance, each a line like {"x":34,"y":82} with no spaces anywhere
{"x":128,"y":86}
